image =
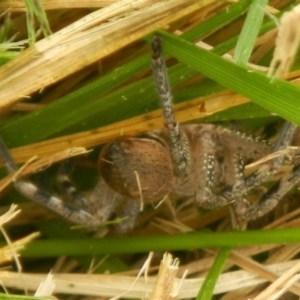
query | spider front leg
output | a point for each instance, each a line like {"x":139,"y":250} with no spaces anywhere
{"x":177,"y":140}
{"x":231,"y":147}
{"x":235,"y":174}
{"x":275,"y":194}
{"x":29,"y":190}
{"x":100,"y":203}
{"x":272,"y":197}
{"x":196,"y":150}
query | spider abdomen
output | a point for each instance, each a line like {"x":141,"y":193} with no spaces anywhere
{"x":137,"y":168}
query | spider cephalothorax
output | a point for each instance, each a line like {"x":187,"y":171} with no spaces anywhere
{"x":202,"y":161}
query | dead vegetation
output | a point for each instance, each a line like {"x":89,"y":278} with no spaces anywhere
{"x":90,"y":41}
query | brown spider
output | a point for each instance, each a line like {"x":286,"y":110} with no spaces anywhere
{"x":204,"y":161}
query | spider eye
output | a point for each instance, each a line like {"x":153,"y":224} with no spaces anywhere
{"x":134,"y":166}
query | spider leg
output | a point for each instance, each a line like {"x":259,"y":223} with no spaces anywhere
{"x":235,"y":146}
{"x":67,"y":187}
{"x":239,"y":146}
{"x":177,"y":140}
{"x":128,"y":214}
{"x":277,"y":192}
{"x":103,"y":201}
{"x":272,"y":197}
{"x":29,"y":190}
{"x":237,"y":187}
{"x":257,"y":178}
{"x":236,"y":175}
{"x":209,"y":176}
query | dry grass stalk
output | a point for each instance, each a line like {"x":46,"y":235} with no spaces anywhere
{"x":105,"y":285}
{"x":10,"y":214}
{"x":253,"y":267}
{"x":46,"y":161}
{"x":18,"y":5}
{"x":46,"y":287}
{"x":287,"y":43}
{"x":82,"y":39}
{"x":9,"y":252}
{"x":282,"y":283}
{"x":6,"y":252}
{"x":165,"y":287}
{"x":184,"y":112}
{"x":86,"y":41}
{"x":188,"y":111}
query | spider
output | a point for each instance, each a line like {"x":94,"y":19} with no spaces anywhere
{"x":203,"y":161}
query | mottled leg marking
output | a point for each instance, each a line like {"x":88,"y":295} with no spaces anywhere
{"x":205,"y":194}
{"x":240,"y":204}
{"x":177,"y":140}
{"x":69,"y":212}
{"x":66,"y":186}
{"x":29,"y":190}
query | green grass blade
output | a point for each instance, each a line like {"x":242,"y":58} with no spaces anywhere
{"x":207,"y":288}
{"x":249,"y":32}
{"x":178,"y":242}
{"x":220,"y":20}
{"x":35,"y":10}
{"x":277,"y":96}
{"x":67,"y":111}
{"x":60,"y":230}
{"x":87,"y":108}
{"x":18,"y":297}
